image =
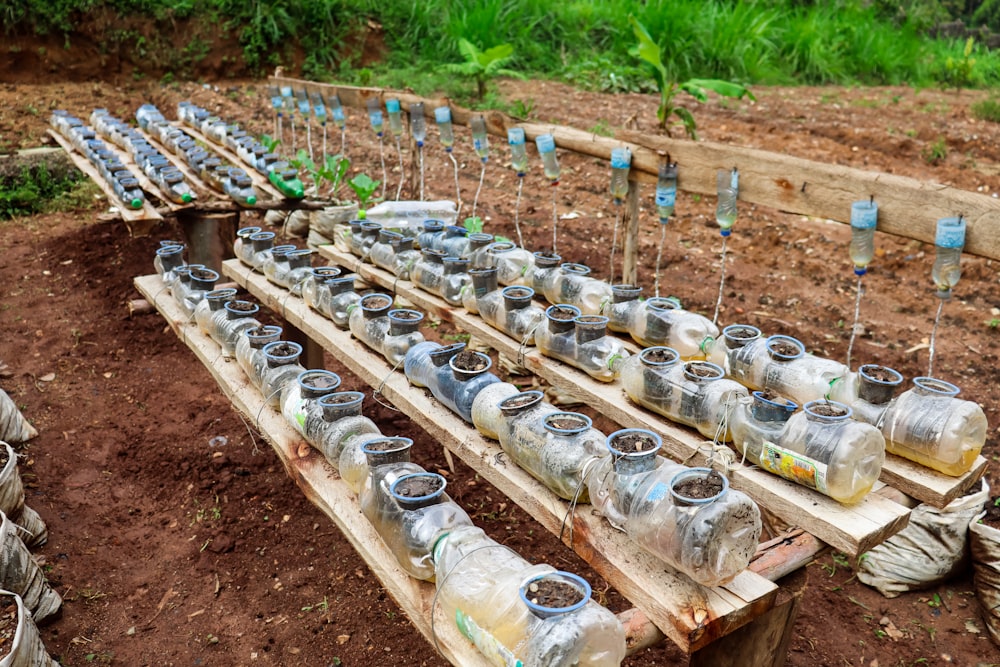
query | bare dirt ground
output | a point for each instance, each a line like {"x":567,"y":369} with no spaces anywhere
{"x":171,"y":551}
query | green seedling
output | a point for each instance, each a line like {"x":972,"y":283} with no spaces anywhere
{"x":482,"y":66}
{"x":364,"y":187}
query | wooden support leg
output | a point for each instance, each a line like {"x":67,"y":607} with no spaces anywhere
{"x":630,"y":261}
{"x":209,"y":236}
{"x":764,"y":641}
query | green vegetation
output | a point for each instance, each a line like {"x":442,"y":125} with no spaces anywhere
{"x":482,"y":66}
{"x":987,"y":110}
{"x":40,"y":190}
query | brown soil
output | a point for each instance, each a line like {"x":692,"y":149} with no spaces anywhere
{"x":283,"y":350}
{"x":742,"y":333}
{"x":376,"y":302}
{"x":259,"y":331}
{"x":590,"y":319}
{"x":561,"y":314}
{"x":171,"y":553}
{"x":701,"y":370}
{"x":320,"y":381}
{"x":518,"y":401}
{"x":992,"y":517}
{"x":400,"y":314}
{"x":880,"y":373}
{"x":699,"y":488}
{"x":828,"y":410}
{"x":340,"y":398}
{"x":419,"y":486}
{"x":201,"y":274}
{"x":518,"y":293}
{"x":659,"y":356}
{"x":8,"y":624}
{"x":385,"y":445}
{"x":554,"y":594}
{"x":242,"y":306}
{"x":566,"y":423}
{"x":633,"y":443}
{"x":769,"y":395}
{"x":784,"y":348}
{"x":467,"y":360}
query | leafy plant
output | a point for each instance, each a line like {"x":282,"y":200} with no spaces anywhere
{"x":269,"y":142}
{"x":473,"y":225}
{"x":959,"y":72}
{"x":482,"y":65}
{"x":650,"y":52}
{"x":333,"y":170}
{"x":522,"y":108}
{"x":987,"y":110}
{"x":935,"y":152}
{"x":364,"y":187}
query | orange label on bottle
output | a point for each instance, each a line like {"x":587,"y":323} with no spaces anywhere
{"x":793,"y":466}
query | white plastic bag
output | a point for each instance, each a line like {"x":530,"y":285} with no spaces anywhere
{"x":12,"y":502}
{"x":26,"y":649}
{"x":19,"y":573}
{"x":323,"y":221}
{"x":932,"y":548}
{"x":13,"y":426}
{"x":985,"y":545}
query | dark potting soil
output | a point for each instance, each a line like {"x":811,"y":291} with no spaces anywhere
{"x":828,"y":410}
{"x":701,"y":370}
{"x":992,"y":517}
{"x":8,"y":624}
{"x":633,"y":443}
{"x":741,"y":333}
{"x":405,"y":314}
{"x":553,"y":593}
{"x":377,"y":303}
{"x":201,"y":274}
{"x":880,"y":373}
{"x":340,"y":399}
{"x":590,"y":319}
{"x":241,"y":306}
{"x":320,"y":381}
{"x":518,"y":401}
{"x":785,"y":348}
{"x":386,"y":445}
{"x":419,"y":486}
{"x":518,"y":293}
{"x":770,"y":395}
{"x":259,"y":331}
{"x":467,"y":360}
{"x":562,"y":314}
{"x":283,"y":350}
{"x":566,"y":423}
{"x":698,"y":488}
{"x":660,"y":356}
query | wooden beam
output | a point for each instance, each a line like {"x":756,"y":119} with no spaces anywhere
{"x":630,"y":224}
{"x":851,"y":529}
{"x":690,"y":614}
{"x":318,"y":481}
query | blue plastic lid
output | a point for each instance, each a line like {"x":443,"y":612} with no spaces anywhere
{"x":545,"y":143}
{"x":392,"y":105}
{"x":515,"y":136}
{"x":442,"y":114}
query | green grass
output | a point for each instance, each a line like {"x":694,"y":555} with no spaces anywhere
{"x":39,"y":190}
{"x":987,"y":110}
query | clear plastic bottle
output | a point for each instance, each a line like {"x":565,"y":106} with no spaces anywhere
{"x":864,"y":218}
{"x":454,"y":242}
{"x":391,"y":333}
{"x":572,"y":284}
{"x":695,"y":393}
{"x":624,"y":300}
{"x":545,"y":264}
{"x":418,"y":123}
{"x":250,"y":352}
{"x":517,"y":314}
{"x":728,"y":188}
{"x":375,"y":116}
{"x":300,"y":402}
{"x":483,"y":287}
{"x":547,"y":150}
{"x":446,"y":372}
{"x":172,"y":184}
{"x":666,"y":191}
{"x":195,"y":283}
{"x":168,"y":259}
{"x":242,"y":246}
{"x":275,"y":266}
{"x":733,"y":337}
{"x":287,"y":98}
{"x":411,"y":514}
{"x":404,"y":257}
{"x":662,"y":321}
{"x":556,"y":448}
{"x":263,"y":247}
{"x":315,"y":291}
{"x":442,"y":116}
{"x":341,"y":423}
{"x":335,"y":110}
{"x":780,"y":363}
{"x":282,"y":368}
{"x":584,"y":344}
{"x":428,"y":271}
{"x":518,"y":154}
{"x":382,"y":253}
{"x":709,"y":539}
{"x":368,"y":236}
{"x":929,"y":424}
{"x":319,"y":108}
{"x":454,"y":280}
{"x":364,"y":467}
{"x":429,"y":233}
{"x":480,"y":139}
{"x":479,"y":586}
{"x":343,"y":300}
{"x":760,"y":422}
{"x":949,"y":239}
{"x":395,"y":117}
{"x":302,"y":102}
{"x":128,"y":192}
{"x":240,"y":188}
{"x":876,"y":388}
{"x":621,"y":162}
{"x":210,"y":311}
{"x":515,"y":265}
{"x":239,"y":317}
{"x":486,"y":415}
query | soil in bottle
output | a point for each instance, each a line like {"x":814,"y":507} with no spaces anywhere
{"x":634,"y":443}
{"x":418,"y":487}
{"x":700,"y":488}
{"x":553,"y":594}
{"x":467,"y":360}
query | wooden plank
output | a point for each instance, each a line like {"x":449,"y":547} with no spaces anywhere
{"x":926,"y":485}
{"x":193,"y":179}
{"x":129,"y":215}
{"x":853,"y":529}
{"x":630,"y":225}
{"x":907,"y":207}
{"x":147,"y":185}
{"x":259,"y":180}
{"x":691,"y":615}
{"x":318,"y":481}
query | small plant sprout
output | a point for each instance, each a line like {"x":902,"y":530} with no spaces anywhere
{"x":482,"y":66}
{"x":649,"y":52}
{"x":364,"y":187}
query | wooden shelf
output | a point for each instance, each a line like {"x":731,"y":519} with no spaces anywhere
{"x":259,"y":180}
{"x":318,"y":480}
{"x":851,"y":529}
{"x":689,"y":614}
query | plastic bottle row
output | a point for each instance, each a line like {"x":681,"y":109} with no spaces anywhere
{"x":122,"y":181}
{"x":529,"y":614}
{"x":461,"y":381}
{"x":285,"y":101}
{"x":279,"y":172}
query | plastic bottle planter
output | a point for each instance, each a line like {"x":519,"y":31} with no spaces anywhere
{"x":342,"y":424}
{"x":250,"y":352}
{"x":275,"y":265}
{"x":876,"y":387}
{"x":479,"y":585}
{"x":545,"y":264}
{"x":298,"y":270}
{"x":572,"y":284}
{"x":733,"y":337}
{"x":369,"y":235}
{"x":210,"y":312}
{"x":454,"y":279}
{"x":780,"y":363}
{"x":199,"y":281}
{"x":929,"y":424}
{"x":432,"y":229}
{"x":282,"y":369}
{"x":383,"y":461}
{"x":167,"y":260}
{"x":483,"y":287}
{"x":300,"y":401}
{"x":478,"y":252}
{"x":411,"y":515}
{"x":759,"y":421}
{"x":354,"y":240}
{"x":624,"y":300}
{"x":428,"y":271}
{"x":687,"y":517}
{"x":239,"y":318}
{"x":581,"y":341}
{"x":514,"y":265}
{"x":454,"y":375}
{"x":516,"y":314}
{"x":243,"y":246}
{"x":453,"y":242}
{"x":404,"y":257}
{"x":662,"y":321}
{"x":695,"y":393}
{"x":341,"y":301}
{"x":382,"y":253}
{"x":315,"y":291}
{"x":391,"y":333}
{"x":556,"y":448}
{"x":486,"y":414}
{"x":262,"y":244}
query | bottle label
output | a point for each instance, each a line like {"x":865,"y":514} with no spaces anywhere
{"x":488,"y":645}
{"x":950,"y":234}
{"x":864,"y":215}
{"x":658,"y":492}
{"x":666,"y":196}
{"x":793,"y":466}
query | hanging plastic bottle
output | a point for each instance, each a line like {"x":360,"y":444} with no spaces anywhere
{"x":288,"y":99}
{"x":336,"y":110}
{"x":302,"y":101}
{"x":442,"y":116}
{"x":864,"y":218}
{"x":518,"y":154}
{"x":319,"y":108}
{"x":621,"y":162}
{"x":949,"y":240}
{"x":480,"y":139}
{"x":395,"y":117}
{"x":546,"y":144}
{"x":666,"y":191}
{"x":418,"y":123}
{"x":375,"y":116}
{"x":728,"y":187}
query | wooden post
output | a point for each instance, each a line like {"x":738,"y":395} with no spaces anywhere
{"x":630,"y":259}
{"x":209,"y":236}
